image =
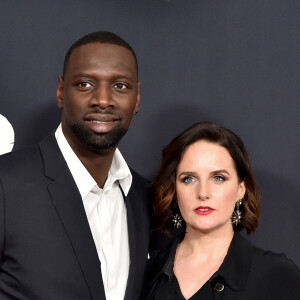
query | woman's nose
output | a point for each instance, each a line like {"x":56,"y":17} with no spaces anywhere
{"x":203,"y":191}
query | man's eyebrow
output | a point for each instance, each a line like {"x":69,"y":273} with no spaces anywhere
{"x":94,"y":75}
{"x":76,"y":75}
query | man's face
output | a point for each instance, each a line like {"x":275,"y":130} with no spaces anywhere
{"x":98,"y":96}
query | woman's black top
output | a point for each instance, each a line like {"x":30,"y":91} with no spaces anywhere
{"x":247,"y":273}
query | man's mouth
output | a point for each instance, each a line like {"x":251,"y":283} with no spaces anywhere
{"x":101,"y":123}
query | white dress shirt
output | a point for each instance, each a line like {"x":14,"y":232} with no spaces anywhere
{"x":106,"y":213}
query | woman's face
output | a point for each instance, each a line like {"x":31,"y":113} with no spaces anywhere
{"x":207,"y":187}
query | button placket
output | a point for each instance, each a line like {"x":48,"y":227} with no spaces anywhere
{"x":218,"y":287}
{"x":106,"y":241}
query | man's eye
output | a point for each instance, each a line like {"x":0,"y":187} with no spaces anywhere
{"x":188,"y":179}
{"x":218,"y":178}
{"x":120,"y":86}
{"x":84,"y":85}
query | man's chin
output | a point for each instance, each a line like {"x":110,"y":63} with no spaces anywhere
{"x":98,"y":142}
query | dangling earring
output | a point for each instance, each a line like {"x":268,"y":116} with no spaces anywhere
{"x":176,"y":216}
{"x":237,"y":214}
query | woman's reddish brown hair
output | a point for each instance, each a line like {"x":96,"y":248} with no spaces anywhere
{"x":164,"y":183}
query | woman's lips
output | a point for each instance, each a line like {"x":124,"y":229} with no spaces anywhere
{"x":203,"y":210}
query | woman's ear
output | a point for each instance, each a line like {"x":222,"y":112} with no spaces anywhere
{"x":242,"y":190}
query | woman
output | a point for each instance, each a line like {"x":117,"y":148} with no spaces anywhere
{"x":206,"y":186}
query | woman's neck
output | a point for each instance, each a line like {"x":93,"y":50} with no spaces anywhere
{"x":211,"y":245}
{"x":199,"y":256}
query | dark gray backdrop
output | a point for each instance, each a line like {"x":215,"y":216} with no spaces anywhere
{"x":236,"y":63}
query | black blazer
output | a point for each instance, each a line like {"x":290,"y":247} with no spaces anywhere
{"x":247,"y":273}
{"x":46,"y":246}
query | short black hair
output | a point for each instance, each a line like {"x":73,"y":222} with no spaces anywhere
{"x":104,"y":37}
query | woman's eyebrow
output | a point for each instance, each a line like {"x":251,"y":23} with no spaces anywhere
{"x":220,"y":171}
{"x":188,"y":173}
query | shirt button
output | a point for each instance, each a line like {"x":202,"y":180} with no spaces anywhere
{"x":219,"y":287}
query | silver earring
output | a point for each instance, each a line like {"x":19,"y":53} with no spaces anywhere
{"x":237,"y":214}
{"x":176,"y":218}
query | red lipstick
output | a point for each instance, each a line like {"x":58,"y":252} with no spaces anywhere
{"x":203,"y":210}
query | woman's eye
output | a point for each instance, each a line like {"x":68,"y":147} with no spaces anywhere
{"x":188,"y":179}
{"x":218,"y":178}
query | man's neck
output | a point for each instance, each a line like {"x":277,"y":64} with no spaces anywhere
{"x":97,"y":163}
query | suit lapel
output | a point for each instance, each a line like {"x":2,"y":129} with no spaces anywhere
{"x":138,"y":229}
{"x":70,"y":209}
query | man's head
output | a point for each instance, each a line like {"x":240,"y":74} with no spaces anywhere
{"x":98,"y":92}
{"x":104,"y":37}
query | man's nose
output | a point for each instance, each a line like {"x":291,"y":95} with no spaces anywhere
{"x":102,"y":97}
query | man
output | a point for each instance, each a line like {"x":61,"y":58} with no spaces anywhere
{"x":73,"y":217}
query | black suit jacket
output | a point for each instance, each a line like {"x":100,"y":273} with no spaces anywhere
{"x":46,"y":246}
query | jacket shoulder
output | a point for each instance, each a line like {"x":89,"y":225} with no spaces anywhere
{"x":20,"y":161}
{"x":139,"y":179}
{"x":268,"y":261}
{"x":279,"y":274}
{"x":140,"y":188}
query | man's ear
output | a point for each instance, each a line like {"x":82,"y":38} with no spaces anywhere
{"x":60,"y":92}
{"x":138,"y":97}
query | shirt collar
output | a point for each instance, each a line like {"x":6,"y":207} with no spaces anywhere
{"x":235,"y":268}
{"x":119,"y":170}
{"x":169,"y":263}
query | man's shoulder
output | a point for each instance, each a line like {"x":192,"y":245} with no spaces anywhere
{"x":139,"y":179}
{"x":23,"y":160}
{"x":140,"y":187}
{"x":20,"y":158}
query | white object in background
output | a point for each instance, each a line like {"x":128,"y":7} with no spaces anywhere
{"x":7,"y":136}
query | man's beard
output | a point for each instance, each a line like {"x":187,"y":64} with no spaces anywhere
{"x":98,"y":142}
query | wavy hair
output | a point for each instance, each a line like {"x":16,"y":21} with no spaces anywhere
{"x":164,"y":184}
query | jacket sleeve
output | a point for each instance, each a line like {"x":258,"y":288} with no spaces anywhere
{"x":2,"y":221}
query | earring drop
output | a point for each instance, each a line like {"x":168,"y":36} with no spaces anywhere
{"x":237,"y":214}
{"x":176,"y":216}
{"x":177,"y":220}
